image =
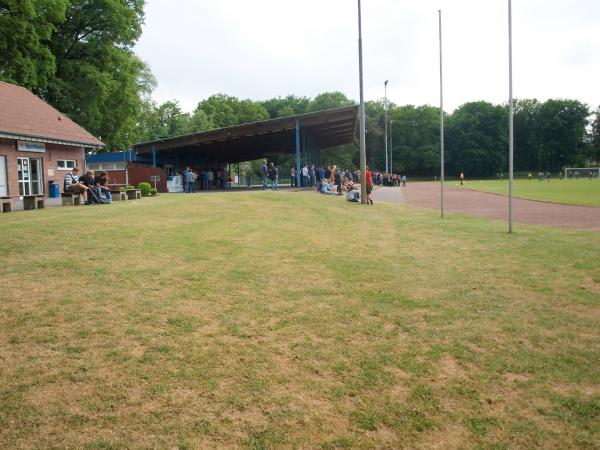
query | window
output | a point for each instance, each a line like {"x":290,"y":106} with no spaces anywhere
{"x":66,"y":164}
{"x":93,"y":167}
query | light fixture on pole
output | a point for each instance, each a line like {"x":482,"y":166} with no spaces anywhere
{"x":441,"y":121}
{"x":363,"y":157}
{"x":511,"y":143}
{"x":391,"y":147}
{"x":385,"y":120}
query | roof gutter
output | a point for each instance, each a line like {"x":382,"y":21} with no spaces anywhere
{"x":24,"y":137}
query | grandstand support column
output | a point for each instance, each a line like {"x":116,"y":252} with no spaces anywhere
{"x":153,"y":155}
{"x":297,"y":153}
{"x":303,"y":143}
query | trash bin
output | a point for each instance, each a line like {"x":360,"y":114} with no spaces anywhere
{"x":53,"y":189}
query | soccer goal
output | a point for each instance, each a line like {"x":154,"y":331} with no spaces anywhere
{"x":582,"y":172}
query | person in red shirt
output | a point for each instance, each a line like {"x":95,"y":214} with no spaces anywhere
{"x":369,"y":183}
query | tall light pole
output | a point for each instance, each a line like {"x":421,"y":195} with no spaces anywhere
{"x":385,"y":120}
{"x":391,"y":146}
{"x":363,"y":155}
{"x":441,"y":121}
{"x":511,"y":143}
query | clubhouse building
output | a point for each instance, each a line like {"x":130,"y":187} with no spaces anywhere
{"x":38,"y":144}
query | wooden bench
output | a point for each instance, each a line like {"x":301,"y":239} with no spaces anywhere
{"x":118,"y":195}
{"x":7,"y":204}
{"x":133,"y":194}
{"x":34,"y":202}
{"x":70,"y":199}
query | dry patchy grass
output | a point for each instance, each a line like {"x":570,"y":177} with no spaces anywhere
{"x":280,"y":320}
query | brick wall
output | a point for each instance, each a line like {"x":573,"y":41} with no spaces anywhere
{"x":54,"y":152}
{"x":139,"y":172}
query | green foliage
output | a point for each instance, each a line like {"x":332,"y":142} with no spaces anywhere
{"x":329,"y":100}
{"x":129,"y":187}
{"x":99,"y":82}
{"x":26,"y":28}
{"x":562,"y":131}
{"x":145,"y":188}
{"x":78,"y":56}
{"x":284,"y":107}
{"x":224,"y":110}
{"x":477,"y":139}
{"x":594,"y":152}
{"x":153,"y":192}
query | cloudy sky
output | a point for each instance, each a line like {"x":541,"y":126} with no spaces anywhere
{"x":260,"y":49}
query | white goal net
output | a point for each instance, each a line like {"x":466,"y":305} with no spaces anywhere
{"x":582,"y":172}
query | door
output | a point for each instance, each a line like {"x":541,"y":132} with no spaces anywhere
{"x":37,"y":178}
{"x":30,"y":176}
{"x":24,"y":176}
{"x":3,"y":177}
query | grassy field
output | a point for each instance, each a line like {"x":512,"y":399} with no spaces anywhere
{"x":292,"y":320}
{"x":573,"y":192}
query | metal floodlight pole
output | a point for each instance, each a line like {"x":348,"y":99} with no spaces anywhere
{"x":385,"y":120}
{"x":510,"y":121}
{"x":441,"y":121}
{"x":363,"y":157}
{"x":391,"y":146}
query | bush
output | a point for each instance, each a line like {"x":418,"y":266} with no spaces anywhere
{"x":145,"y":188}
{"x":153,"y":192}
{"x":128,"y":187}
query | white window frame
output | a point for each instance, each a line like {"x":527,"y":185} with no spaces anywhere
{"x":66,"y":161}
{"x":93,"y":167}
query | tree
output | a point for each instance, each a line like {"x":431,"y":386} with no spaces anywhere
{"x":284,"y":107}
{"x":595,"y":139}
{"x":527,"y":146}
{"x":415,"y":139}
{"x":26,"y":28}
{"x":562,"y":133}
{"x":225,"y":111}
{"x":99,"y":82}
{"x":329,"y":100}
{"x":477,"y":139}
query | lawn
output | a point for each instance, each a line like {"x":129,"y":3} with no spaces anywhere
{"x":293,"y":320}
{"x":572,"y":192}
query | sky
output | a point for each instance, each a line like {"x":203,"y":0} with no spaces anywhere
{"x":260,"y":49}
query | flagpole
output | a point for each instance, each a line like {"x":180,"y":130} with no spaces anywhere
{"x":510,"y":121}
{"x":441,"y":120}
{"x":363,"y":157}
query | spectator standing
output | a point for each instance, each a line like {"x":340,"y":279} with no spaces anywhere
{"x":311,"y":174}
{"x":264,"y":171}
{"x":369,"y":185}
{"x":293,"y":176}
{"x":273,"y":175}
{"x":338,"y":181}
{"x":305,"y":178}
{"x":210,"y":177}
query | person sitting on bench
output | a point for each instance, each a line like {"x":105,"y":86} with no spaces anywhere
{"x":101,"y":188}
{"x":88,"y":180}
{"x":74,"y":186}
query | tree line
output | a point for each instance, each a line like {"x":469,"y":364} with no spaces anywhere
{"x":548,"y":136}
{"x":78,"y":55}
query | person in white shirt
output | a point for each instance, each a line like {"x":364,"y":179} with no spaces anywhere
{"x":305,"y":179}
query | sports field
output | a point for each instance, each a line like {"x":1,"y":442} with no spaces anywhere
{"x":583,"y":192}
{"x":293,"y":320}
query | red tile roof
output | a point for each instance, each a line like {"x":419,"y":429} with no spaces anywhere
{"x":23,"y":113}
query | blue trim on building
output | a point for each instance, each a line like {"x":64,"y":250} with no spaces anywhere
{"x":125,"y":156}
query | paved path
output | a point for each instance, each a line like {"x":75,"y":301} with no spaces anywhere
{"x":491,"y":206}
